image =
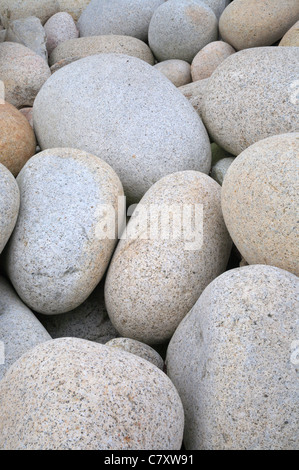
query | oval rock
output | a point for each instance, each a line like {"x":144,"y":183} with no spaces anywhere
{"x":251,"y":96}
{"x":256,"y":23}
{"x":180,"y":28}
{"x":59,"y":249}
{"x":131,"y":116}
{"x":260,"y":200}
{"x":17,"y":139}
{"x":175,"y":244}
{"x":232,"y":362}
{"x":20,"y":330}
{"x":88,"y":396}
{"x":23,"y":73}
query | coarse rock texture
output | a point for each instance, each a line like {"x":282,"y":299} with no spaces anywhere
{"x":9,"y":204}
{"x":89,"y":321}
{"x":83,"y":47}
{"x":139,"y":349}
{"x":219,"y":170}
{"x":20,"y":330}
{"x":60,"y":28}
{"x":177,"y":71}
{"x":28,"y":113}
{"x":72,"y":394}
{"x":15,"y":9}
{"x":17,"y":139}
{"x":159,"y":269}
{"x":23,"y":73}
{"x":180,"y":28}
{"x":231,"y":362}
{"x":59,"y":250}
{"x":195,"y":92}
{"x":218,"y":6}
{"x":260,"y":198}
{"x":130,"y":115}
{"x":209,"y":58}
{"x":255,"y":23}
{"x":29,"y":32}
{"x":251,"y":96}
{"x":291,"y":38}
{"x":218,"y":153}
{"x":119,"y":17}
{"x":73,"y":7}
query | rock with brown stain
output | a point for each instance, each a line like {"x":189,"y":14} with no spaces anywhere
{"x":17,"y":139}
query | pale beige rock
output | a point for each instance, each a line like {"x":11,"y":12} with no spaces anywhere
{"x":83,"y":47}
{"x":60,"y":28}
{"x":159,"y":270}
{"x":233,"y":361}
{"x":177,"y":71}
{"x":72,"y":394}
{"x":14,"y":9}
{"x":195,"y":92}
{"x":73,"y":7}
{"x":209,"y":58}
{"x":17,"y":139}
{"x":255,"y":23}
{"x":260,"y":202}
{"x":140,"y":349}
{"x":252,"y":95}
{"x":20,"y":330}
{"x":291,"y":38}
{"x":23,"y":72}
{"x":59,"y":249}
{"x":28,"y":113}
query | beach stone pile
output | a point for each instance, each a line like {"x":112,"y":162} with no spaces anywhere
{"x":149,"y":248}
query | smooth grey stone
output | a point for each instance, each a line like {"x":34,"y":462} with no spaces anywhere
{"x":20,"y":330}
{"x":120,"y":17}
{"x":128,"y":114}
{"x":233,"y":361}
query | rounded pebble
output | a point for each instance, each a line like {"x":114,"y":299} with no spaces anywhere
{"x":9,"y":205}
{"x":117,"y":17}
{"x":232,"y":362}
{"x":17,"y":139}
{"x":139,"y":349}
{"x":255,"y":23}
{"x":88,"y":396}
{"x":177,"y":71}
{"x":180,"y":28}
{"x":209,"y":58}
{"x":60,"y":28}
{"x":130,"y":115}
{"x":251,"y":96}
{"x":20,"y":330}
{"x":23,"y":73}
{"x":260,"y":202}
{"x":84,"y":47}
{"x":158,"y":271}
{"x":60,"y":250}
